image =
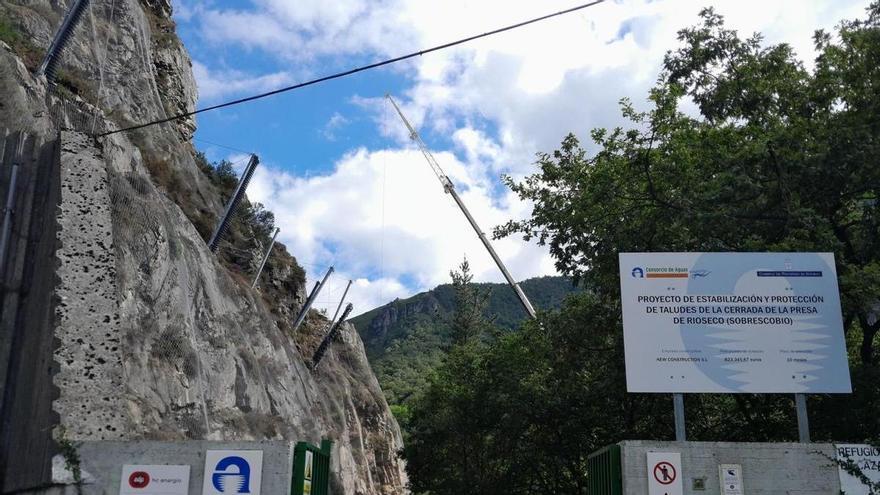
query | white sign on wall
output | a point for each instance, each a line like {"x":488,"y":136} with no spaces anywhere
{"x":863,"y":457}
{"x":730,"y":478}
{"x":149,"y":479}
{"x":307,"y":472}
{"x":732,"y":322}
{"x":664,"y":473}
{"x":233,"y":471}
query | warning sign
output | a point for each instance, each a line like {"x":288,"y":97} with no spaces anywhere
{"x":664,"y":473}
{"x":730,"y":478}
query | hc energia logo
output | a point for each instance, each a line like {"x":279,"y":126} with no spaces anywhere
{"x":232,"y":475}
{"x":139,"y":479}
{"x":638,"y":272}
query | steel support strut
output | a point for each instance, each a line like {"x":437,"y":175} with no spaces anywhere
{"x":232,"y":205}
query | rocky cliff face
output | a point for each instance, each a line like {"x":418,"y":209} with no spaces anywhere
{"x":389,"y":315}
{"x":157,"y":338}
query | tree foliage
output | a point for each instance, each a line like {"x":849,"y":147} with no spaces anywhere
{"x":775,"y":157}
{"x":468,"y":320}
{"x":779,"y":159}
{"x":406,"y":338}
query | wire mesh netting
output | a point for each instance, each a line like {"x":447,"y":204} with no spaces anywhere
{"x":158,"y":338}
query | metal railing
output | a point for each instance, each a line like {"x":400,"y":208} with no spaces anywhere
{"x":311,"y":468}
{"x":604,"y":472}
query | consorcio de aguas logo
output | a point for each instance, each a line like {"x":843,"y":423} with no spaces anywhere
{"x":232,"y":475}
{"x":662,"y":272}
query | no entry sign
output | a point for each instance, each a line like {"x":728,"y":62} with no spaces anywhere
{"x":664,"y":473}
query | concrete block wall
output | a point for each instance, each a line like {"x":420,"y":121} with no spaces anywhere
{"x":768,"y":468}
{"x":89,"y":355}
{"x":102,"y":461}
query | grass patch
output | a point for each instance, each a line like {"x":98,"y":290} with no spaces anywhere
{"x":12,"y":34}
{"x":71,"y":82}
{"x":162,"y":30}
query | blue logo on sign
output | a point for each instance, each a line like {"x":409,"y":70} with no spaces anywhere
{"x":232,"y":475}
{"x":638,"y":273}
{"x":700,"y":273}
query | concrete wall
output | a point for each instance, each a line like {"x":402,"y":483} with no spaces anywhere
{"x":102,"y":463}
{"x":768,"y":468}
{"x":89,"y":353}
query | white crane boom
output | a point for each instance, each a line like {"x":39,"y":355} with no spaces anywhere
{"x":449,"y":188}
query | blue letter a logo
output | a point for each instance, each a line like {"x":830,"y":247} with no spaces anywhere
{"x":232,"y":475}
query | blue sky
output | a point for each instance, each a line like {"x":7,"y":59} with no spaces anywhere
{"x":345,"y":183}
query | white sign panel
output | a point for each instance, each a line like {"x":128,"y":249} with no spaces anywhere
{"x":732,"y":322}
{"x":233,"y":471}
{"x":142,"y":479}
{"x":307,"y":472}
{"x":664,"y":473}
{"x":863,"y":457}
{"x":730,"y":478}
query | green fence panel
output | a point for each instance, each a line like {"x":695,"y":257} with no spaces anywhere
{"x":311,"y":469}
{"x":603,"y":472}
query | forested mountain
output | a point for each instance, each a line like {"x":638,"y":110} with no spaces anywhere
{"x":406,"y":337}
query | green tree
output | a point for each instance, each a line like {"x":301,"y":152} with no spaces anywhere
{"x":469,"y":319}
{"x":779,"y":158}
{"x":452,"y":430}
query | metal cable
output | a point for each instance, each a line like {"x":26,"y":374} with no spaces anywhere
{"x":355,"y":70}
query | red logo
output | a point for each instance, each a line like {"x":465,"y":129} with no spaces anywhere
{"x":664,"y":473}
{"x":139,"y":479}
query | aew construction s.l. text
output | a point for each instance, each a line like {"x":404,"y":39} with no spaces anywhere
{"x":732,"y":322}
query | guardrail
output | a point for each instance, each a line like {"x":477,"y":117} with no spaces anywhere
{"x":311,"y":468}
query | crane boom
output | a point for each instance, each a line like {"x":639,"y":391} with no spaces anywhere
{"x":449,"y":188}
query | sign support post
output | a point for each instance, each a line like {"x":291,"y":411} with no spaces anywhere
{"x":800,"y":401}
{"x":678,"y":408}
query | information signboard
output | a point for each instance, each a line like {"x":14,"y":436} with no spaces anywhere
{"x":854,"y":460}
{"x":732,"y":323}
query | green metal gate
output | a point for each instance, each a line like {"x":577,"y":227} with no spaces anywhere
{"x":603,"y":471}
{"x":311,"y":469}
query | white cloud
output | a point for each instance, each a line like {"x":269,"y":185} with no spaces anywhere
{"x":215,"y":84}
{"x":364,"y":294}
{"x":336,"y":122}
{"x":567,"y":74}
{"x":382,"y":217}
{"x":302,"y":31}
{"x":500,"y":99}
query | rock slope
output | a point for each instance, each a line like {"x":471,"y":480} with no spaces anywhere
{"x":157,"y":338}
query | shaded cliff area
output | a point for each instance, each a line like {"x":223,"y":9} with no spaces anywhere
{"x":151,"y":335}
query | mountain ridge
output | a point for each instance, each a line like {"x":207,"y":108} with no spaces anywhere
{"x":405,"y":338}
